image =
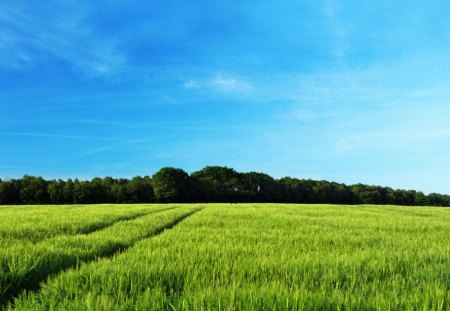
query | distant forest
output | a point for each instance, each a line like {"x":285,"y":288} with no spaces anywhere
{"x":211,"y":184}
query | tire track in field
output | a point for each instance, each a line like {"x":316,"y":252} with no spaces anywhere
{"x":33,"y":279}
{"x":117,"y":220}
{"x":171,"y":224}
{"x":99,"y":226}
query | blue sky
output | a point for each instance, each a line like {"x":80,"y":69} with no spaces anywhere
{"x":347,"y":91}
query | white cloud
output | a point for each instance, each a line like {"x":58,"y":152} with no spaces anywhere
{"x":27,"y":37}
{"x":337,"y":28}
{"x":63,"y":136}
{"x":230,"y":84}
{"x":221,"y":84}
{"x":193,"y":84}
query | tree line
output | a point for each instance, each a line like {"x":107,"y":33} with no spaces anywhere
{"x":211,"y":184}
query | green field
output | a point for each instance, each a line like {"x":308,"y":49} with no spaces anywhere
{"x":224,"y":257}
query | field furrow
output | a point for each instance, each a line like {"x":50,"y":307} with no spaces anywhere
{"x":267,"y":257}
{"x":32,"y":224}
{"x":25,"y":266}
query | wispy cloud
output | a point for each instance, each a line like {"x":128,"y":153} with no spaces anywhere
{"x":222,"y":84}
{"x":55,"y":29}
{"x":77,"y":137}
{"x":337,"y":28}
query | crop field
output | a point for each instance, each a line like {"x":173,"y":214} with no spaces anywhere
{"x":224,"y":257}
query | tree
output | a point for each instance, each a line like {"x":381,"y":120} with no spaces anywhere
{"x":260,"y":187}
{"x":55,"y":191}
{"x":297,"y":190}
{"x":69,"y":192}
{"x":171,"y":185}
{"x":107,"y":184}
{"x":81,"y":192}
{"x":210,"y":184}
{"x":119,"y":191}
{"x":140,"y":190}
{"x":219,"y":184}
{"x":33,"y":190}
{"x":436,"y":199}
{"x":96,"y":191}
{"x":9,"y":192}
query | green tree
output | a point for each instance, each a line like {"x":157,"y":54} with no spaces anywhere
{"x":33,"y":190}
{"x":55,"y":191}
{"x":68,"y":192}
{"x":171,"y":185}
{"x":261,"y":187}
{"x":219,"y":184}
{"x":96,"y":192}
{"x":9,"y":192}
{"x":81,"y":192}
{"x":119,"y":191}
{"x":107,"y":184}
{"x":140,"y":190}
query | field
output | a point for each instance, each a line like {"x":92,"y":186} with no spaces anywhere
{"x":224,"y":257}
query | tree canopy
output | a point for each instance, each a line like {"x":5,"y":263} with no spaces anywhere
{"x":210,"y":184}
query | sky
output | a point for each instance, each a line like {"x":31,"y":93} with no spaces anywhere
{"x":345,"y":91}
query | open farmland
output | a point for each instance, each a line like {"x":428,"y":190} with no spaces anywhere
{"x":224,"y":257}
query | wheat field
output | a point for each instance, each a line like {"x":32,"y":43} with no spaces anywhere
{"x":224,"y":257}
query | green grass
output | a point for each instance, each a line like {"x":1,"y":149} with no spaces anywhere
{"x":26,"y":265}
{"x":34,"y":223}
{"x":263,"y":257}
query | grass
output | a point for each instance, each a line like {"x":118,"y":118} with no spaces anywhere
{"x":266,"y":257}
{"x":34,"y":223}
{"x":25,"y":266}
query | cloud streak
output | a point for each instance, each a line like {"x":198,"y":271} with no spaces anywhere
{"x":339,"y":31}
{"x":76,"y":137}
{"x":221,"y":84}
{"x":60,"y":31}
